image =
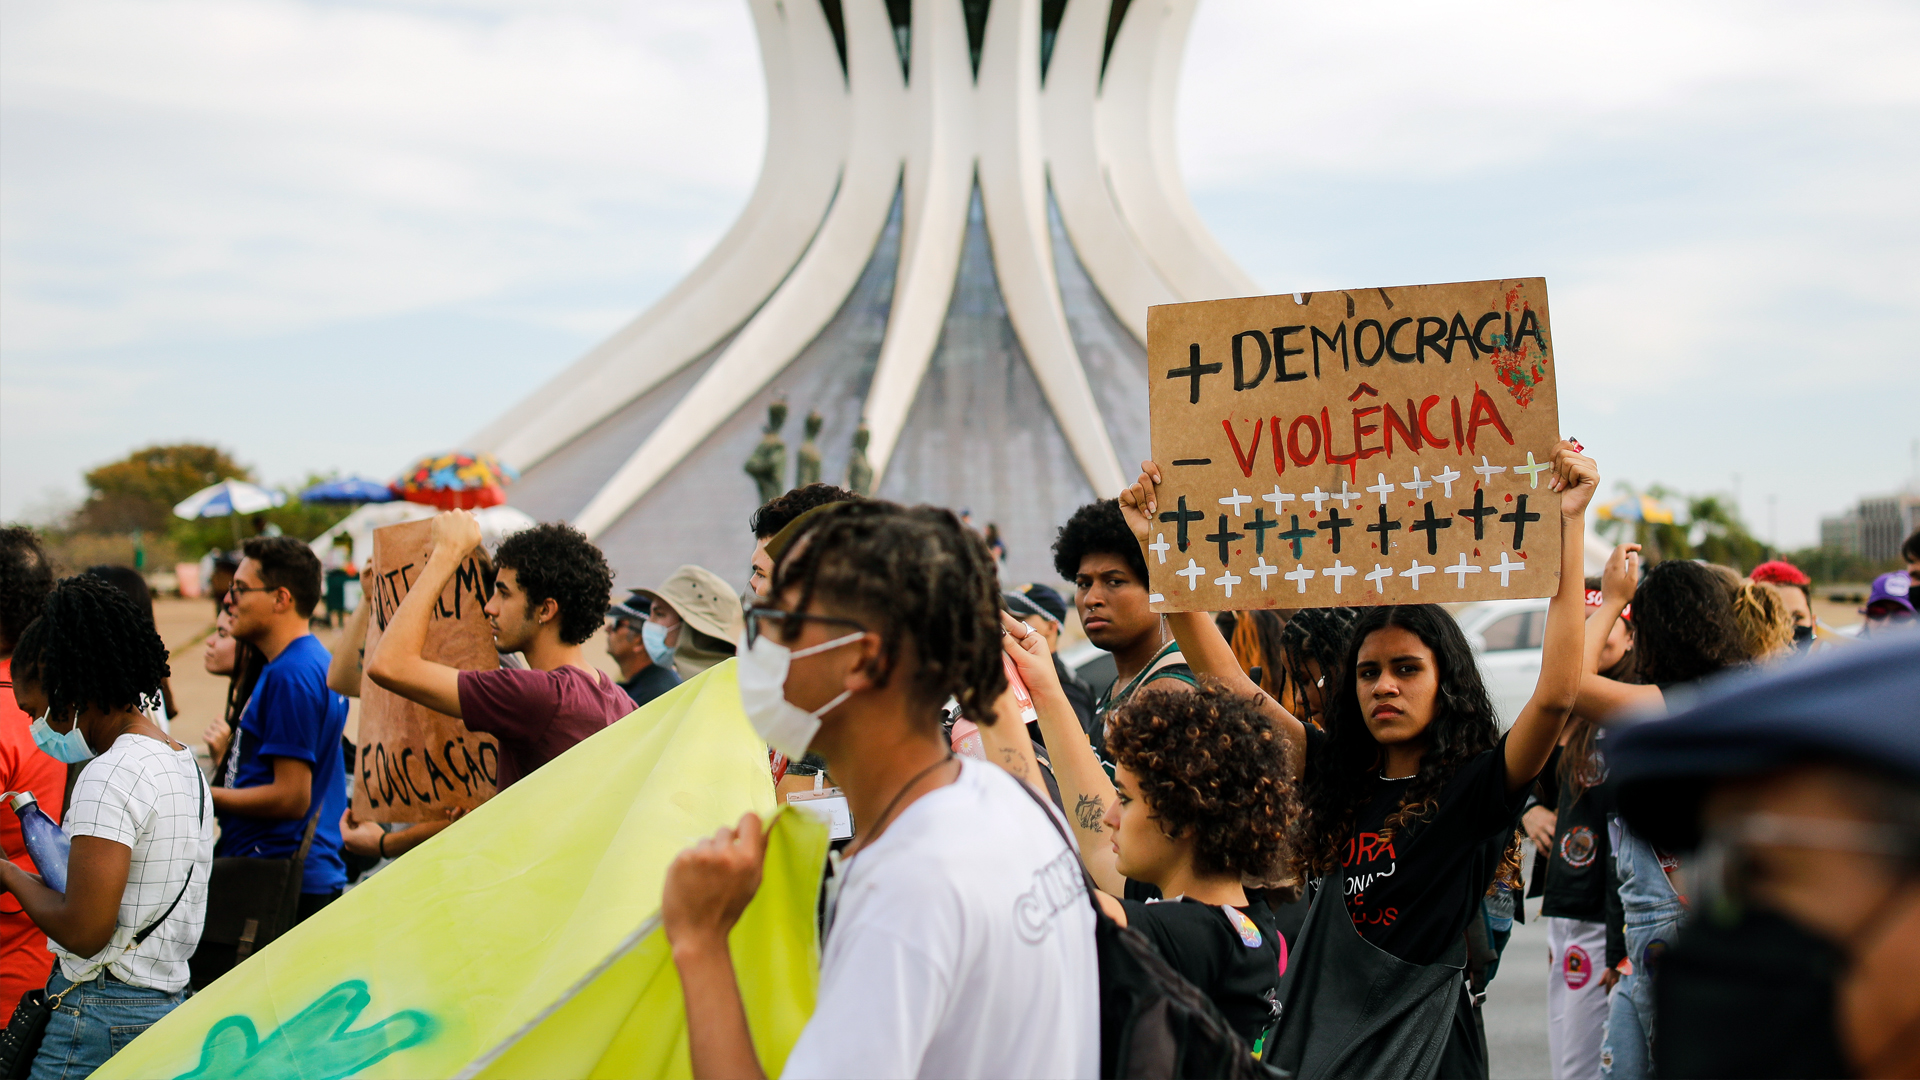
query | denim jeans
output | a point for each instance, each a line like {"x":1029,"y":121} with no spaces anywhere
{"x":96,"y":1021}
{"x":1651,"y":913}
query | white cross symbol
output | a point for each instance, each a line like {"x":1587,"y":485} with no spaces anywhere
{"x":1228,"y":580}
{"x":1447,"y":476}
{"x":1160,"y":546}
{"x":1382,"y":489}
{"x":1379,"y":577}
{"x":1318,"y":498}
{"x":1347,"y":497}
{"x":1416,"y":572}
{"x":1191,"y":572}
{"x":1263,"y":570}
{"x":1416,"y":485}
{"x":1532,"y":470}
{"x":1155,"y":598}
{"x":1461,"y":569}
{"x":1503,"y":568}
{"x":1336,"y":572}
{"x":1279,"y":499}
{"x":1488,"y":472}
{"x":1236,"y":500}
{"x":1299,"y":573}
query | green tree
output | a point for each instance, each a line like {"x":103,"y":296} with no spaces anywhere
{"x":138,"y":492}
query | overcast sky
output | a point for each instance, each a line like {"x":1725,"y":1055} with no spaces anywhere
{"x":341,"y":235}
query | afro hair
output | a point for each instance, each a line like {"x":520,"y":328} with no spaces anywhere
{"x":1097,"y":529}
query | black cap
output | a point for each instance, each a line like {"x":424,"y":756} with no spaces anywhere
{"x":1857,"y":704}
{"x":1050,"y":602}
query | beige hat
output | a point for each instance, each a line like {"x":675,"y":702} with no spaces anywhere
{"x":704,"y":600}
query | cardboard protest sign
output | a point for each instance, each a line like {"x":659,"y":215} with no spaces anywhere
{"x":1377,"y":446}
{"x":414,"y":764}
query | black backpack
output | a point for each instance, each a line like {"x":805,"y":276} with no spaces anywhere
{"x":1154,"y":1024}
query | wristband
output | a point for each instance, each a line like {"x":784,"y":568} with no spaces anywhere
{"x":383,"y":843}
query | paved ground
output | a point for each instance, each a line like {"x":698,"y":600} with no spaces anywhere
{"x":1516,"y":1010}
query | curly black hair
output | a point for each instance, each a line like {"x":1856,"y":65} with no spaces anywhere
{"x":286,"y":563}
{"x":555,"y":561}
{"x":1316,"y":635}
{"x":781,"y":509}
{"x":1342,"y":780}
{"x":26,"y":577}
{"x":1210,"y":764}
{"x":1683,"y":623}
{"x":91,"y":645}
{"x":918,"y":578}
{"x":1097,"y":529}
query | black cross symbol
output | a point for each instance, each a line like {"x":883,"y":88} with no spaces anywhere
{"x":1260,"y":525}
{"x":1180,"y":518}
{"x":1519,"y":517}
{"x":1431,"y":525}
{"x":1224,"y":538}
{"x":1295,"y":534}
{"x":1383,"y":527}
{"x":1479,"y":513}
{"x":1194,"y":370}
{"x":1335,"y":523}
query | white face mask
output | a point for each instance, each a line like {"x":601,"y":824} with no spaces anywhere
{"x":763,"y":694}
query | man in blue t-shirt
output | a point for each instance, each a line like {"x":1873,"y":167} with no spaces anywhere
{"x":285,"y":766}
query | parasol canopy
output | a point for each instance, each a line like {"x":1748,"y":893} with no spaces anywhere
{"x":456,"y":481}
{"x":1637,"y":508}
{"x":351,"y":489}
{"x":229,"y":496}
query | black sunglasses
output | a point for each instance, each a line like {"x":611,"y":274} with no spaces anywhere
{"x":787,"y":621}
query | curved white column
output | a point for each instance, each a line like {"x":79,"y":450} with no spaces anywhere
{"x":1013,"y":193}
{"x":1135,"y":120}
{"x":807,"y":300}
{"x":1105,"y":242}
{"x":939,"y":185}
{"x":808,"y":120}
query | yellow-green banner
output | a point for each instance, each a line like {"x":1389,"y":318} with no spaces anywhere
{"x":524,"y":940}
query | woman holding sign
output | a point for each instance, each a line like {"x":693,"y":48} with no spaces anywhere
{"x":1411,"y":800}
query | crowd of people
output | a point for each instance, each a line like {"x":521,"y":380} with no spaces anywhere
{"x":1272,"y":840}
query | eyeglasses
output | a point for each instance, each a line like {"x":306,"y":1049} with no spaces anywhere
{"x":788,"y":621}
{"x":239,"y":590}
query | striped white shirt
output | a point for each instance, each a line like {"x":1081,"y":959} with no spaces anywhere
{"x":151,"y":798}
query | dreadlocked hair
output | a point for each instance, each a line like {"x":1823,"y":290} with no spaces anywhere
{"x":1210,"y":765}
{"x":1683,"y":624}
{"x":93,"y":646}
{"x":1343,"y":779}
{"x":1255,"y":640}
{"x":248,"y":663}
{"x":918,"y":578}
{"x":1319,"y":635}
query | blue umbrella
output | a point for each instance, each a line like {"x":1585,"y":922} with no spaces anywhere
{"x":352,"y":489}
{"x":228,"y":497}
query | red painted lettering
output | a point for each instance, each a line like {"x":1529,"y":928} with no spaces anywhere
{"x":1409,"y":434}
{"x":1307,"y":456}
{"x":1459,"y":441}
{"x":1432,"y":439}
{"x":1246,"y":459}
{"x":1279,"y":448}
{"x":1361,"y":431}
{"x":1485,"y":414}
{"x":1326,"y":427}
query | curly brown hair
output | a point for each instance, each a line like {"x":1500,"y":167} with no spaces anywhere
{"x":1210,"y":764}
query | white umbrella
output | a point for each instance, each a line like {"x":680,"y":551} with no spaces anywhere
{"x":229,"y":496}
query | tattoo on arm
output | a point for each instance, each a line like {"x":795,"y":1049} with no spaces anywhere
{"x":1011,"y":758}
{"x":1089,"y":811}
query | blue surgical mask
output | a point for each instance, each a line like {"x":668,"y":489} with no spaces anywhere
{"x":654,"y":636}
{"x":71,"y":747}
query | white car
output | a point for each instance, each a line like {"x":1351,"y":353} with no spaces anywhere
{"x":1506,"y":636}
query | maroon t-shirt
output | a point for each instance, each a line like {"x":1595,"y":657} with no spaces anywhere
{"x":538,"y":715}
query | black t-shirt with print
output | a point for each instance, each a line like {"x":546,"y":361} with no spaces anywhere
{"x":1577,"y":872}
{"x":1412,"y":894}
{"x":1202,"y":943}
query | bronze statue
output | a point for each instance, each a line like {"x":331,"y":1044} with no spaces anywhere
{"x":859,"y":472}
{"x":768,"y":462}
{"x":806,"y":469}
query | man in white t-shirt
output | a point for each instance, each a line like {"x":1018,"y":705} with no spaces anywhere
{"x":960,"y":937}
